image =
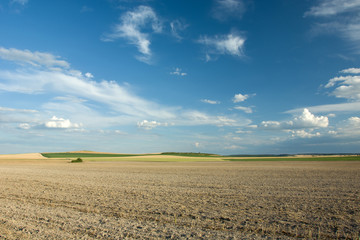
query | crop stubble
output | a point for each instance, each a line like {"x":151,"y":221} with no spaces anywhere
{"x":227,"y":200}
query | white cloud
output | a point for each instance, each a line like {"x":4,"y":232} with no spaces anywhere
{"x":178,"y":72}
{"x":305,"y":120}
{"x":148,"y":125}
{"x":34,"y":58}
{"x":89,"y":75}
{"x":55,"y":122}
{"x":197,"y":144}
{"x":96,"y":104}
{"x":224,"y":9}
{"x":132,"y":27}
{"x":347,"y":129}
{"x":231,"y":44}
{"x":240,"y":97}
{"x":340,"y":107}
{"x":351,"y":70}
{"x":333,"y":7}
{"x":309,"y":120}
{"x":338,"y":17}
{"x":304,"y":134}
{"x":4,"y":109}
{"x":245,"y":109}
{"x":209,"y":101}
{"x":347,"y":87}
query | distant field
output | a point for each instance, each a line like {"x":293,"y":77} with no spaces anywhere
{"x":187,"y":157}
{"x":153,"y":158}
{"x":317,"y":158}
{"x":190,"y":154}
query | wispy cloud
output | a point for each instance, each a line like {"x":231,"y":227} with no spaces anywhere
{"x":5,"y":109}
{"x":210,"y":101}
{"x":85,"y":9}
{"x":337,"y":17}
{"x":245,"y":109}
{"x":225,"y":9}
{"x":133,"y":27}
{"x":231,"y":44}
{"x":177,"y":27}
{"x":22,"y":2}
{"x":34,"y":58}
{"x":327,"y":8}
{"x":89,"y":102}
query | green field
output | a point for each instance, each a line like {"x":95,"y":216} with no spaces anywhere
{"x":84,"y":155}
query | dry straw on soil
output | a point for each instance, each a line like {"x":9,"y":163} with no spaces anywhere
{"x":218,"y":200}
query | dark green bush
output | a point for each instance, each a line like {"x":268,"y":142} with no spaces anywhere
{"x":77,"y":160}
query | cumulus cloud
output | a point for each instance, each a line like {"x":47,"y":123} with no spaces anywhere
{"x":62,"y":123}
{"x":346,"y":87}
{"x":178,"y":72}
{"x":89,"y":75}
{"x":231,"y":44}
{"x":148,"y":125}
{"x":305,"y":120}
{"x":225,"y":9}
{"x":133,"y":26}
{"x":32,"y":58}
{"x":209,"y":101}
{"x":304,"y":134}
{"x":351,"y":70}
{"x":240,"y":97}
{"x":309,"y":120}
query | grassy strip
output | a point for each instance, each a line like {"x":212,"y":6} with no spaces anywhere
{"x":342,"y":158}
{"x":82,"y":155}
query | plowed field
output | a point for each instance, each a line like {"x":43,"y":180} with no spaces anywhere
{"x":179,"y":200}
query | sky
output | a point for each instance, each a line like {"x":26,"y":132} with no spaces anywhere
{"x":146,"y":76}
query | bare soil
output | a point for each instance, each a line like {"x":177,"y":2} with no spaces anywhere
{"x":46,"y":199}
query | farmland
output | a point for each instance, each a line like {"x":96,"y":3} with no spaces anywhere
{"x":50,"y":198}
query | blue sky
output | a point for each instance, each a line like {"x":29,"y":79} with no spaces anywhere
{"x":219,"y":76}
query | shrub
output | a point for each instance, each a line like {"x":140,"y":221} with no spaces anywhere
{"x":77,"y":160}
